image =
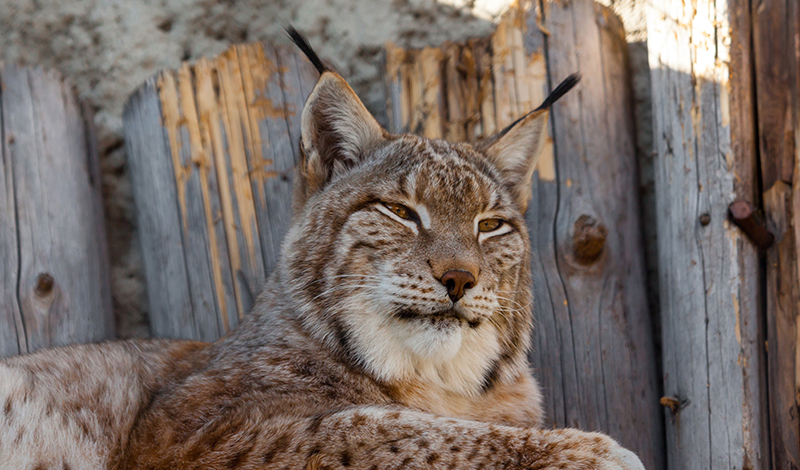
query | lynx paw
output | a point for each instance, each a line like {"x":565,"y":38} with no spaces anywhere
{"x":570,"y":448}
{"x":623,"y":459}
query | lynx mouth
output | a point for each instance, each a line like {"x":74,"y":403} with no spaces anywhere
{"x":444,"y":318}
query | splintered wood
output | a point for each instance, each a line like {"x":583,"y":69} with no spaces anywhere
{"x":219,"y":139}
{"x":593,"y":352}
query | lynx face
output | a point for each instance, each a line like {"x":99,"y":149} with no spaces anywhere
{"x":410,"y":256}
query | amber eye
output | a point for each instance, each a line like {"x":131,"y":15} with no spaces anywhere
{"x":399,"y":210}
{"x":489,"y":225}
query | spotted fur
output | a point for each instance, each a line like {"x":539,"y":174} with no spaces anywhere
{"x":357,"y":354}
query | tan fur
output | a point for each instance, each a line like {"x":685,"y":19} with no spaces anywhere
{"x":355,"y":355}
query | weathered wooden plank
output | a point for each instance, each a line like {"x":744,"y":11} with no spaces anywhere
{"x":777,"y":77}
{"x":288,"y":85}
{"x":396,"y":96}
{"x":202,"y":268}
{"x":12,"y":333}
{"x":208,"y":223}
{"x":54,"y":283}
{"x":454,"y":96}
{"x":783,"y":299}
{"x":606,"y":303}
{"x":225,"y":132}
{"x":708,"y":282}
{"x":481,"y":50}
{"x":593,"y":353}
{"x":773,"y":48}
{"x":239,"y":136}
{"x":158,"y":216}
{"x":211,"y":115}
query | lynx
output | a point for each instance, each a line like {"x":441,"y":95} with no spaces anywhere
{"x":393,"y":334}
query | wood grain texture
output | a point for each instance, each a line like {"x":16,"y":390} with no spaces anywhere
{"x":708,"y":271}
{"x":593,"y":353}
{"x":783,"y":298}
{"x":773,"y":47}
{"x":604,"y":308}
{"x":212,"y":147}
{"x":54,"y":282}
{"x":777,"y":77}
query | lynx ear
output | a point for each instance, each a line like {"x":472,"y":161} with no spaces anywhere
{"x":336,"y":132}
{"x":515,"y":152}
{"x":516,"y":149}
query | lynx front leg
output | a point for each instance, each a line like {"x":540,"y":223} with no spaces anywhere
{"x":373,"y":437}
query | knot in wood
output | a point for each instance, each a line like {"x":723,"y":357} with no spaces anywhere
{"x":44,"y":285}
{"x":588,"y":239}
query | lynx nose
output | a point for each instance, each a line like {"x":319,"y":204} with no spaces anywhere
{"x":457,"y":281}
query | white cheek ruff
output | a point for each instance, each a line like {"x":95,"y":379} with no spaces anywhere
{"x":408,"y":223}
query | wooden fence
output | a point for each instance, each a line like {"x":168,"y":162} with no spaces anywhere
{"x":709,"y":380}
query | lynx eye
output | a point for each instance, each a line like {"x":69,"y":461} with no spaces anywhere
{"x":489,"y":225}
{"x":399,"y":210}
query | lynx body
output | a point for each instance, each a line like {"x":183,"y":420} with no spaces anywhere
{"x":393,"y":334}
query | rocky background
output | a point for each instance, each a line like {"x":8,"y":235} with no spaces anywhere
{"x":107,"y":48}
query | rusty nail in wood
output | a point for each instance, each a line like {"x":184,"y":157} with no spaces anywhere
{"x":705,"y":219}
{"x":588,"y":239}
{"x":745,"y":216}
{"x":44,"y":284}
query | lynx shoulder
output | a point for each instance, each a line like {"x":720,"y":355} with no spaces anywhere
{"x":393,"y":334}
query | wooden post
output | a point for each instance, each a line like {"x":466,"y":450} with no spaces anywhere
{"x":593,"y":349}
{"x":777,"y":76}
{"x":211,"y":149}
{"x":54,"y":286}
{"x":700,"y":61}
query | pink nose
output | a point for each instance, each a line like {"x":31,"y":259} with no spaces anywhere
{"x":457,"y":281}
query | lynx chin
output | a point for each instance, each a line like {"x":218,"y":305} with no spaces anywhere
{"x":393,"y":334}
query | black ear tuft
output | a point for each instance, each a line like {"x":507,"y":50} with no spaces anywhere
{"x":566,"y":85}
{"x":302,"y":42}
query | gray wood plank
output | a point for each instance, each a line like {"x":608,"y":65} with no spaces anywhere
{"x":272,"y":182}
{"x":158,"y":216}
{"x":12,"y":333}
{"x":616,"y":370}
{"x":707,"y":271}
{"x":58,"y":291}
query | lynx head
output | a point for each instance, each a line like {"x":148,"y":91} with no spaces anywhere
{"x":410,"y":256}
